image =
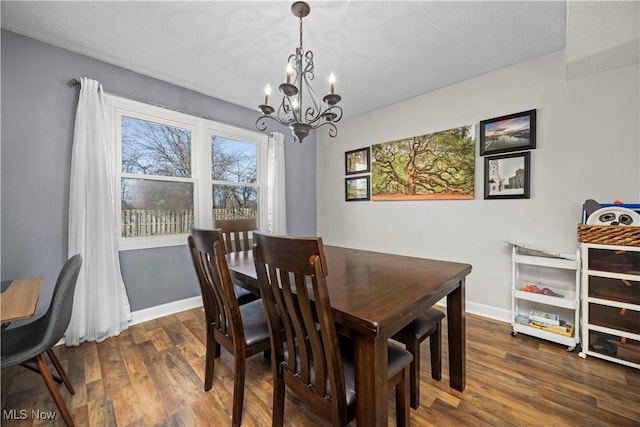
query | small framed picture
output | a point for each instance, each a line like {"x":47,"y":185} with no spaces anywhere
{"x":515,"y":132}
{"x":357,"y":161}
{"x":356,"y":188}
{"x":507,"y":176}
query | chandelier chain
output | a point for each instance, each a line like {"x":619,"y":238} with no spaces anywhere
{"x":300,"y":19}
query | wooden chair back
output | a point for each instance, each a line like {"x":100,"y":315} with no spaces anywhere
{"x":236,"y":233}
{"x":220,"y":303}
{"x":224,"y":315}
{"x":291,"y":274}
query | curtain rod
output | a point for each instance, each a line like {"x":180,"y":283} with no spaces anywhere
{"x":76,"y":83}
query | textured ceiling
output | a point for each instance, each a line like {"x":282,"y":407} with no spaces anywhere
{"x":382,"y":52}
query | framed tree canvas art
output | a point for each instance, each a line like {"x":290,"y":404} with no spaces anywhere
{"x":435,"y":166}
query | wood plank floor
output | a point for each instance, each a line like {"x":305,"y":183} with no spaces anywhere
{"x":151,"y":375}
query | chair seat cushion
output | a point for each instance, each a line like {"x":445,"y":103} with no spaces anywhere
{"x":244,"y":296}
{"x":254,"y":322}
{"x":398,"y":359}
{"x":422,"y":327}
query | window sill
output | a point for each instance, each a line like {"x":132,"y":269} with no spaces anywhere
{"x":137,"y":243}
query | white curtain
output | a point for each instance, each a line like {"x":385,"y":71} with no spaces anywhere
{"x":100,"y":307}
{"x":274,"y":217}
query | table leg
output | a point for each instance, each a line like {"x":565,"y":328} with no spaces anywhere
{"x":371,"y":366}
{"x":456,"y":333}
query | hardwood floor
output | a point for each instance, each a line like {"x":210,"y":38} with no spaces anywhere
{"x":152,"y":375}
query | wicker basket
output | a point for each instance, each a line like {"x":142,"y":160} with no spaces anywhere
{"x":609,"y":235}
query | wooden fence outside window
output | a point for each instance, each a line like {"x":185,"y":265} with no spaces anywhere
{"x":140,"y":223}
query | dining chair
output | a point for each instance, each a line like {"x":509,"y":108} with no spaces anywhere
{"x":236,"y":236}
{"x":236,"y":233}
{"x":28,"y":343}
{"x":427,"y":325}
{"x":243,"y":295}
{"x":241,"y":329}
{"x":308,"y":357}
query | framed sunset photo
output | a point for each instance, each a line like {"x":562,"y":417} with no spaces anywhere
{"x":514,"y":132}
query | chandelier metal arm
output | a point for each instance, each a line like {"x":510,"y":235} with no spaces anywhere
{"x":333,"y":130}
{"x":261,"y":122}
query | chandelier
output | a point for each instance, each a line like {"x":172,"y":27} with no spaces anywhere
{"x":300,"y":108}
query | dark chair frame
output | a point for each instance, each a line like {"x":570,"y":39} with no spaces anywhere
{"x":241,"y":329}
{"x":291,"y":275}
{"x":428,"y":325}
{"x":235,"y":234}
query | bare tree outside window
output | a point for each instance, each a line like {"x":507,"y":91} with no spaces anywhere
{"x":234,"y":174}
{"x":150,"y":148}
{"x":155,"y":206}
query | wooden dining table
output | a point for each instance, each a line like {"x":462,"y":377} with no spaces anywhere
{"x":19,"y":299}
{"x":374,"y":295}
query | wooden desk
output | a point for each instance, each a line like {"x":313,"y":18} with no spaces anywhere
{"x":20,"y":299}
{"x":373,"y":296}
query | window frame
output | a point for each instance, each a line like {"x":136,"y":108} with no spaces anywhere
{"x":202,"y":131}
{"x":240,"y":135}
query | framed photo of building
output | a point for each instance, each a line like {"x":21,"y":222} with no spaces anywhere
{"x":514,"y":132}
{"x":356,"y":188}
{"x":507,"y":176}
{"x":357,"y":161}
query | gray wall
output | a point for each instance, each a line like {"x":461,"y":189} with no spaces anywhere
{"x":38,"y":114}
{"x":587,"y":147}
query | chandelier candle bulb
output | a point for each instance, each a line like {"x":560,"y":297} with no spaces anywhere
{"x":289,"y":72}
{"x":332,"y":83}
{"x":267,"y":94}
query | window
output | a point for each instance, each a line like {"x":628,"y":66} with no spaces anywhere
{"x":174,"y":171}
{"x":234,"y":179}
{"x":156,"y":182}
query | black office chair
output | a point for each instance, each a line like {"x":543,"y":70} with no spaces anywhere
{"x":29,"y":342}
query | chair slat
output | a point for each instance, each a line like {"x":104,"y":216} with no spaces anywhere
{"x":236,"y":233}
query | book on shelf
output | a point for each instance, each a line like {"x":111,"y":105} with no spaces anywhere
{"x":544,"y":317}
{"x":563,"y":328}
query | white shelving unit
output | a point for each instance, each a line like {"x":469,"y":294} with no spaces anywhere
{"x":559,"y":273}
{"x":611,"y":303}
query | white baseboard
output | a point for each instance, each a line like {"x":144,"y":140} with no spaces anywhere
{"x":158,"y":311}
{"x":488,"y":311}
{"x":484,"y":310}
{"x":151,"y":313}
